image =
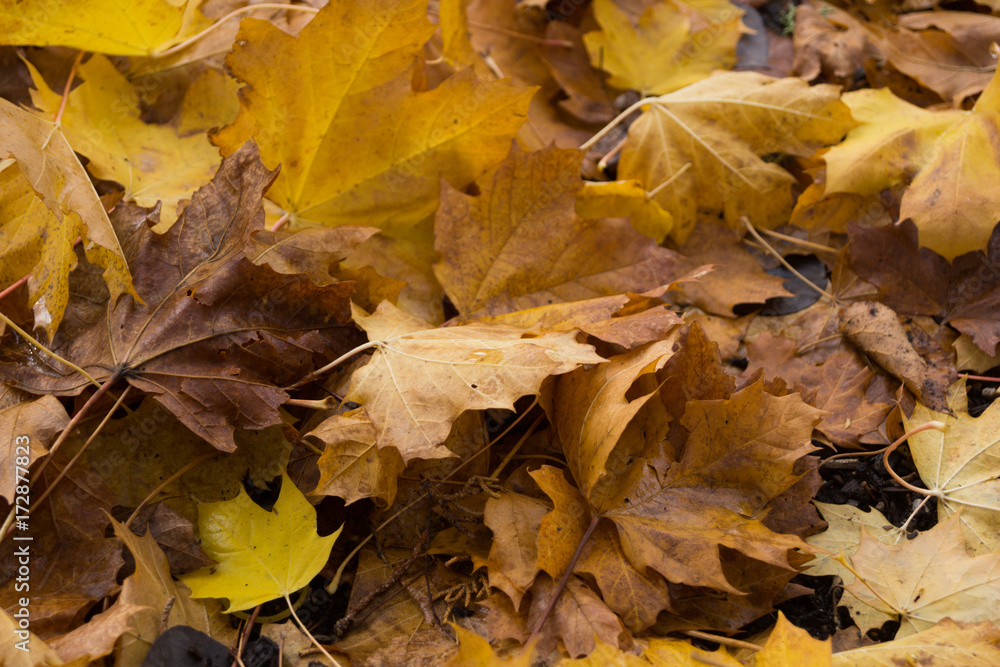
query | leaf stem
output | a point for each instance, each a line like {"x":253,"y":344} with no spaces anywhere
{"x":236,"y":12}
{"x":719,"y":639}
{"x":614,"y":123}
{"x":562,"y":582}
{"x":28,"y":337}
{"x":815,"y":247}
{"x":302,"y":625}
{"x":760,"y":239}
{"x":891,"y":448}
{"x":336,"y":362}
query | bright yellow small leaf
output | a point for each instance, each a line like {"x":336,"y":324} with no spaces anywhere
{"x":474,"y":651}
{"x":667,"y":50}
{"x":261,"y":555}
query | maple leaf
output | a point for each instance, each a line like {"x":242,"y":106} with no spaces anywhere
{"x":958,"y":465}
{"x":261,"y":555}
{"x":789,"y":645}
{"x":671,"y":47}
{"x":139,"y":27}
{"x":514,"y":520}
{"x":420,"y":379}
{"x":838,"y":386}
{"x":946,"y":159}
{"x":474,"y":650}
{"x":917,"y":281}
{"x":926,"y":579}
{"x":40,"y":243}
{"x":216,"y":334}
{"x":607,"y":200}
{"x":521,"y":245}
{"x":831,"y":41}
{"x":947,"y":642}
{"x":701,"y":147}
{"x":356,"y":61}
{"x":152,"y":162}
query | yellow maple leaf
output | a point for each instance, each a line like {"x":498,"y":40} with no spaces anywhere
{"x":152,"y":162}
{"x":789,"y":646}
{"x":923,"y":580}
{"x":336,"y":109}
{"x":702,"y":148}
{"x":129,"y":28}
{"x":959,"y":465}
{"x":261,"y":555}
{"x":669,"y":49}
{"x":421,"y":379}
{"x":947,"y":161}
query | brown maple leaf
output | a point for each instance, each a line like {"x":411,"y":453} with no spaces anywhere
{"x":217,"y":336}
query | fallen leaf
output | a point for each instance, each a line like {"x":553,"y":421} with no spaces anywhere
{"x":926,"y":579}
{"x":668,"y":49}
{"x":261,"y":555}
{"x":789,"y":645}
{"x":514,"y":520}
{"x":141,"y":27}
{"x":917,"y":281}
{"x":838,"y":386}
{"x":152,"y":162}
{"x":700,"y":148}
{"x":41,"y":244}
{"x":420,"y":379}
{"x":579,"y":618}
{"x":98,"y":636}
{"x":616,"y":198}
{"x":830,"y":41}
{"x":521,"y":245}
{"x":946,"y":643}
{"x":474,"y":650}
{"x":35,"y":653}
{"x":843,"y":535}
{"x":212,"y":345}
{"x":959,"y":466}
{"x":947,"y":158}
{"x":358,"y":59}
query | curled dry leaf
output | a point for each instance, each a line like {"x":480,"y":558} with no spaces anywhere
{"x":875,"y":329}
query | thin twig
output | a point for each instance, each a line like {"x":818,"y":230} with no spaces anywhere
{"x":891,"y":448}
{"x":562,"y":583}
{"x":31,"y":339}
{"x":816,"y":247}
{"x":309,"y":634}
{"x":777,"y":255}
{"x":718,"y":639}
{"x":236,"y":12}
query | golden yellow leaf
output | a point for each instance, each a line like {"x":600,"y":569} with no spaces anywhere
{"x":152,"y":162}
{"x":618,"y":198}
{"x":420,"y":379}
{"x":667,"y":50}
{"x":129,"y":28}
{"x":44,"y":242}
{"x":335,"y":108}
{"x":521,"y":245}
{"x":474,"y":651}
{"x":702,"y":147}
{"x":947,"y":159}
{"x":789,"y":646}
